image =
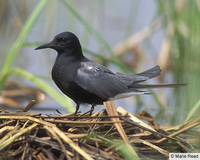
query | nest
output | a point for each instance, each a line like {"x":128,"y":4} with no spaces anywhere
{"x":108,"y":134}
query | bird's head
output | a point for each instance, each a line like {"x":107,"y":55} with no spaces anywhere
{"x":63,"y":43}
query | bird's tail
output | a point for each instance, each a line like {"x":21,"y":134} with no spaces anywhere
{"x":151,"y":73}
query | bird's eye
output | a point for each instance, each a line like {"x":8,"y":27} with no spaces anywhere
{"x":62,"y":39}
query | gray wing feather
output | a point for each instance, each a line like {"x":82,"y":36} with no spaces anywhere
{"x":100,"y":81}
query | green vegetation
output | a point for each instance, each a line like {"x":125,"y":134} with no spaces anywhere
{"x":183,"y":17}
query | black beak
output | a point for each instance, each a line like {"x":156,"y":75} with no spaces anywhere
{"x":47,"y":45}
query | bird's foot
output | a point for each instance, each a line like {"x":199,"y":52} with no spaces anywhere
{"x":77,"y":108}
{"x":91,"y":110}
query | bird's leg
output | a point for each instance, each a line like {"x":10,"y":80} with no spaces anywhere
{"x":77,"y":108}
{"x":92,"y":109}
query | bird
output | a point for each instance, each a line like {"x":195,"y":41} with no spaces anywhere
{"x":88,"y":82}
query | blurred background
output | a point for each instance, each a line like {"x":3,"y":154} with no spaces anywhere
{"x":126,"y":36}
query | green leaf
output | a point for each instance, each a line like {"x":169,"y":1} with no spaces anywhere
{"x":19,"y":42}
{"x":193,"y":111}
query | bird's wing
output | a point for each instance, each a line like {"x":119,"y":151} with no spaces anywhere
{"x":99,"y":80}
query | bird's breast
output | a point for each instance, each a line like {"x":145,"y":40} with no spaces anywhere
{"x":61,"y":76}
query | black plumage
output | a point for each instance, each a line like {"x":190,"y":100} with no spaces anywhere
{"x":88,"y":82}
